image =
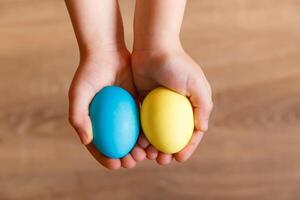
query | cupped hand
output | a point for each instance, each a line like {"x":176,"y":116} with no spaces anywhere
{"x":176,"y":70}
{"x":95,"y":71}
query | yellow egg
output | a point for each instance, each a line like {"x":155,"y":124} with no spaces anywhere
{"x":167,"y":120}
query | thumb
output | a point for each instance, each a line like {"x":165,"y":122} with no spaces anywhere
{"x":79,"y":101}
{"x":200,"y":96}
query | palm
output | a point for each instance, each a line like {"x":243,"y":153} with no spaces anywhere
{"x":111,"y":68}
{"x":176,"y":71}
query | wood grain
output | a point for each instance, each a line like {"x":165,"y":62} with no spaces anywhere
{"x":250,"y":51}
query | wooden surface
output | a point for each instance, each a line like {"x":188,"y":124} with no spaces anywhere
{"x":250,"y":51}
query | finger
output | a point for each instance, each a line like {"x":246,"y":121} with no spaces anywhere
{"x":106,"y":162}
{"x":128,"y":162}
{"x":200,"y":97}
{"x":164,"y":159}
{"x":138,"y":153}
{"x":152,"y":152}
{"x":143,"y":142}
{"x":79,"y":100}
{"x":83,"y":128}
{"x":186,"y":153}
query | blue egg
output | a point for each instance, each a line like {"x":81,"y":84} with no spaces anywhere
{"x":115,"y":120}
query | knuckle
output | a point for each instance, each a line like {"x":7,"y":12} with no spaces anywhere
{"x":206,"y":111}
{"x":209,"y":88}
{"x":74,"y":121}
{"x":210,"y":105}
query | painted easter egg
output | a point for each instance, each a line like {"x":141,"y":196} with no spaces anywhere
{"x":167,"y":120}
{"x":115,"y":120}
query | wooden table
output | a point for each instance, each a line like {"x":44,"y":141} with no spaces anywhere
{"x":250,"y":51}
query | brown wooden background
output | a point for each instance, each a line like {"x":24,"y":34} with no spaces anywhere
{"x":250,"y":51}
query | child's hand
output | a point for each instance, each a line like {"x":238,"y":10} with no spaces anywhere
{"x":111,"y":67}
{"x":159,"y":60}
{"x":104,"y":60}
{"x":173,"y":68}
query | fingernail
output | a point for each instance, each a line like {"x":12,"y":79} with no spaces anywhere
{"x":143,"y":142}
{"x":204,"y":125}
{"x":138,"y":154}
{"x":83,"y":137}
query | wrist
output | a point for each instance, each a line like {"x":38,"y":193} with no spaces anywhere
{"x":156,"y":42}
{"x":116,"y":54}
{"x":95,"y":47}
